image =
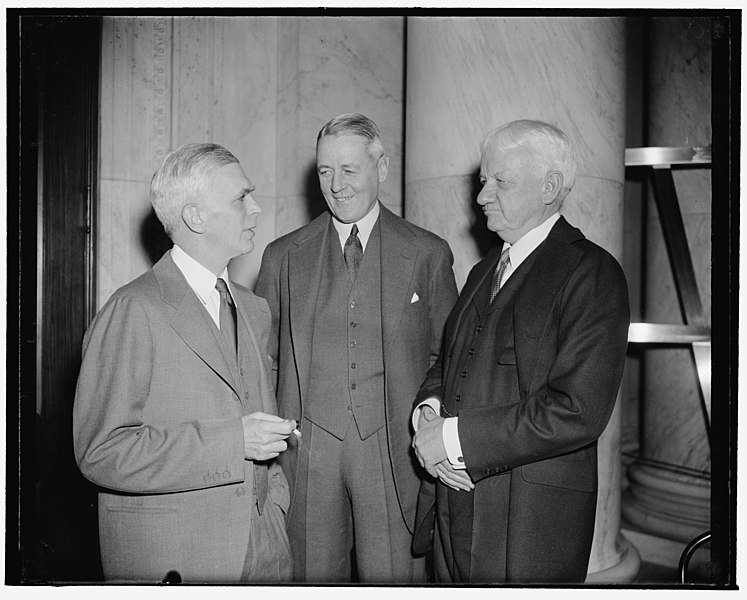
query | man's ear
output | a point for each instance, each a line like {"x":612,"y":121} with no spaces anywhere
{"x":192,"y":218}
{"x":552,"y":186}
{"x":383,"y":167}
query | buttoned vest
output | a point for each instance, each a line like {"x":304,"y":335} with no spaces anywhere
{"x":474,"y":386}
{"x":347,"y":364}
{"x":255,"y":392}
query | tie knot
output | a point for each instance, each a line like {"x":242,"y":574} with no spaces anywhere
{"x":504,"y":256}
{"x":222,"y":288}
{"x":354,"y":231}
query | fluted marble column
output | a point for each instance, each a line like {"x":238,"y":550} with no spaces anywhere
{"x":669,"y":492}
{"x":469,"y":75}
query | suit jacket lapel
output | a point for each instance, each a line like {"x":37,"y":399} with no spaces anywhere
{"x":304,"y":276}
{"x":555,"y":261}
{"x":398,"y":257}
{"x":191,"y":321}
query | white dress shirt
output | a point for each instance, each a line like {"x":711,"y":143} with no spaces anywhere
{"x":202,"y":281}
{"x":517,"y":253}
{"x":365,"y":226}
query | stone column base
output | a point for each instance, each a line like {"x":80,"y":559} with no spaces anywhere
{"x":623,"y":571}
{"x":661,"y":501}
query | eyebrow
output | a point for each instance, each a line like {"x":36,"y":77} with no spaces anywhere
{"x":248,"y":190}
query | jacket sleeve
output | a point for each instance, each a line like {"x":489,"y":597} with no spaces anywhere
{"x":113,"y":446}
{"x":268,"y":287}
{"x":584,"y":353}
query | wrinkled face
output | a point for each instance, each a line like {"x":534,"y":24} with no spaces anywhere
{"x":229,"y":211}
{"x":348,"y":176}
{"x":511,"y":196}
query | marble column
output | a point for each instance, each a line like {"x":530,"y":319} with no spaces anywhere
{"x":466,"y":76}
{"x":669,"y":493}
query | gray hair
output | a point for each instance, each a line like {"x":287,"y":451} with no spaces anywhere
{"x":355,"y":124}
{"x":550,"y":145}
{"x":182,"y":177}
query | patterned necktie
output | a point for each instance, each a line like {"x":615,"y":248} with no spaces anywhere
{"x":353,"y":253}
{"x":227,"y":314}
{"x":500,"y":271}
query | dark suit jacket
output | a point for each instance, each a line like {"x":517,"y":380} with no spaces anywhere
{"x":157,"y":424}
{"x":417,"y":292}
{"x":565,"y":334}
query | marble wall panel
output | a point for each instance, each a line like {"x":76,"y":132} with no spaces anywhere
{"x":135,"y":96}
{"x":329,"y":66}
{"x":129,"y":238}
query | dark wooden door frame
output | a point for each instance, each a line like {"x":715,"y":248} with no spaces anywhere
{"x":53,"y":84}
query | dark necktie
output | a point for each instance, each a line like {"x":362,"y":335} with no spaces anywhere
{"x":353,"y":253}
{"x":227,"y":315}
{"x":500,"y":271}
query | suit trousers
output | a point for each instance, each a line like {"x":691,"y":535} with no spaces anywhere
{"x":352,"y":505}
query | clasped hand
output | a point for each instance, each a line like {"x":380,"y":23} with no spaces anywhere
{"x":431,"y":452}
{"x":265,"y":435}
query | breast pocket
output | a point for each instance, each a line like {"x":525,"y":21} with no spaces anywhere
{"x":507,"y":356}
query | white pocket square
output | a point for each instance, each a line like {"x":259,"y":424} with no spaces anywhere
{"x":415,"y":298}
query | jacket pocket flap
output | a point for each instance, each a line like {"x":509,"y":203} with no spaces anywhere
{"x":557,"y":472}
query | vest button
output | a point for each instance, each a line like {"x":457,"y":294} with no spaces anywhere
{"x":241,"y":371}
{"x":246,"y":395}
{"x":353,"y":365}
{"x":354,"y":386}
{"x":478,"y":328}
{"x":352,"y":304}
{"x":350,"y":408}
{"x":464,"y":374}
{"x":458,"y":398}
{"x":240,"y":492}
{"x":471,"y":351}
{"x":353,"y":344}
{"x":353,"y":324}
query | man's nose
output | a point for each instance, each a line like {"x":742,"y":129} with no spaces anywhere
{"x":337,"y":184}
{"x":252,"y":207}
{"x":483,"y":195}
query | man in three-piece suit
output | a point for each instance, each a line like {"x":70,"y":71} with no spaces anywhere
{"x":359,"y":298}
{"x":175,"y":415}
{"x":509,"y":416}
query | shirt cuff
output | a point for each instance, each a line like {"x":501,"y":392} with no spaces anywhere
{"x":433,"y":402}
{"x":452,"y":444}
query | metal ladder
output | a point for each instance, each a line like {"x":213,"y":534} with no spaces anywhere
{"x":696,"y":332}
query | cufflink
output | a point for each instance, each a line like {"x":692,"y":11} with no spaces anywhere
{"x":414,"y":298}
{"x":460,"y":459}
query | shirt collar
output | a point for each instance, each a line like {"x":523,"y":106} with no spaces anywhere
{"x":199,"y":278}
{"x":365,"y":226}
{"x":529,"y":241}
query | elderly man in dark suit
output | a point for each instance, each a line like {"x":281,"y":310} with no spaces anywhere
{"x":508,"y":418}
{"x":174,"y":415}
{"x":359,"y":298}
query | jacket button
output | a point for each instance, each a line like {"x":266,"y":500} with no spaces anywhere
{"x":240,"y":492}
{"x":478,"y":328}
{"x":246,"y":395}
{"x":350,"y":408}
{"x":464,"y":374}
{"x":352,"y":304}
{"x":241,"y":371}
{"x":354,"y":386}
{"x":353,"y":365}
{"x":353,"y":324}
{"x":471,"y":351}
{"x":458,"y":398}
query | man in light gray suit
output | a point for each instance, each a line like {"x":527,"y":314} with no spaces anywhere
{"x":175,"y":415}
{"x":359,"y":298}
